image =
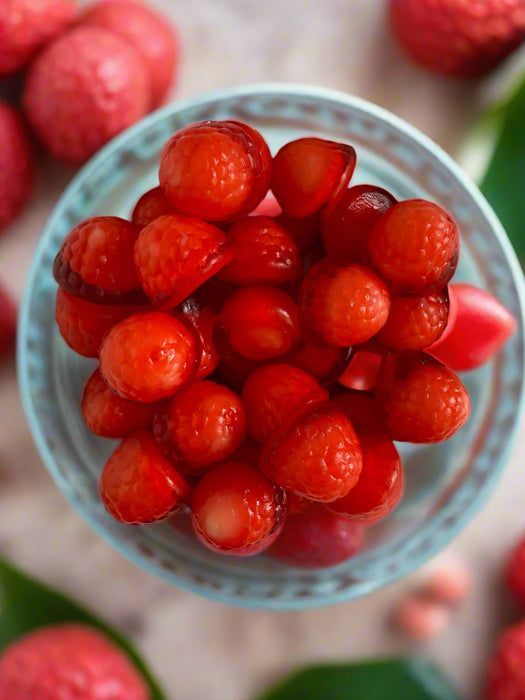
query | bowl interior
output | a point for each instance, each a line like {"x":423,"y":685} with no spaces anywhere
{"x":445,"y":483}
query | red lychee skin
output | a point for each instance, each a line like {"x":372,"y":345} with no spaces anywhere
{"x":515,"y":574}
{"x":26,"y":25}
{"x":149,"y":32}
{"x":69,"y":661}
{"x":506,"y":674}
{"x":83,"y":89}
{"x":455,"y":37}
{"x":16,"y":164}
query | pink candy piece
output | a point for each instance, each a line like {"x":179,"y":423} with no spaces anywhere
{"x":450,"y":583}
{"x":421,"y":618}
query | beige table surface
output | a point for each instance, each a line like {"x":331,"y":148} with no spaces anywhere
{"x":198,"y":648}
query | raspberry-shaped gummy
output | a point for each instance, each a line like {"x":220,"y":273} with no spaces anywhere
{"x":260,"y":322}
{"x":138,"y":485}
{"x":216,"y":170}
{"x":358,"y":406}
{"x":150,"y":206}
{"x":345,"y":229}
{"x":175,"y":254}
{"x":415,"y":246}
{"x":148,"y":356}
{"x":324,"y":363}
{"x":68,"y":660}
{"x":310,"y":172}
{"x":201,"y":320}
{"x":236,"y":510}
{"x":419,"y":399}
{"x":316,"y":454}
{"x":203,"y":424}
{"x":415,"y":323}
{"x":380,"y":484}
{"x":84,"y":325}
{"x":109,"y":415}
{"x":274,"y":393}
{"x":264,"y":253}
{"x":95,"y":261}
{"x":342,"y":305}
{"x":317,"y":538}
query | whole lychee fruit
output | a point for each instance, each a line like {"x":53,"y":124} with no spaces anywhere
{"x":16,"y":164}
{"x":464,"y":38}
{"x":26,"y":25}
{"x":83,"y":89}
{"x":150,"y":33}
{"x":68,"y":661}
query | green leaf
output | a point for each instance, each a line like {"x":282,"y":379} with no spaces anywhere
{"x":26,"y":604}
{"x":503,"y":183}
{"x":395,"y":679}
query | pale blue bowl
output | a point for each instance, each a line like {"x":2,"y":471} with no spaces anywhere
{"x":446,"y":483}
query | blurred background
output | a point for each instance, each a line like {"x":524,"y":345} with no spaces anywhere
{"x":196,"y":647}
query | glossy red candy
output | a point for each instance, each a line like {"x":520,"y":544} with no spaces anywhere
{"x":175,"y":254}
{"x":481,"y":326}
{"x":310,"y":172}
{"x":342,"y":305}
{"x":317,"y":538}
{"x":274,"y":393}
{"x":380,"y":484}
{"x":264,"y":253}
{"x":236,"y":510}
{"x":316,"y":454}
{"x":204,"y":423}
{"x":138,"y":485}
{"x":345,"y":230}
{"x":260,"y":322}
{"x":215,"y":170}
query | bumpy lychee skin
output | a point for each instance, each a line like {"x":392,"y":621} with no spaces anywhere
{"x":16,"y":164}
{"x":456,"y":37}
{"x":148,"y":31}
{"x":26,"y":25}
{"x":83,"y":89}
{"x":68,"y":661}
{"x":506,"y":674}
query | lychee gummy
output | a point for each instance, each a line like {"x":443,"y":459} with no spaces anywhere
{"x":138,"y":485}
{"x":204,"y":423}
{"x":84,"y":88}
{"x":175,"y":254}
{"x":217,"y":170}
{"x":237,"y":510}
{"x":148,"y":356}
{"x":95,"y":261}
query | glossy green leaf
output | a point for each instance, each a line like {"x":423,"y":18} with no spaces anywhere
{"x":26,"y":604}
{"x":395,"y":679}
{"x":503,"y":183}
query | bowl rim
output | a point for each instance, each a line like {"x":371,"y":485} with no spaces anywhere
{"x":279,"y":89}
